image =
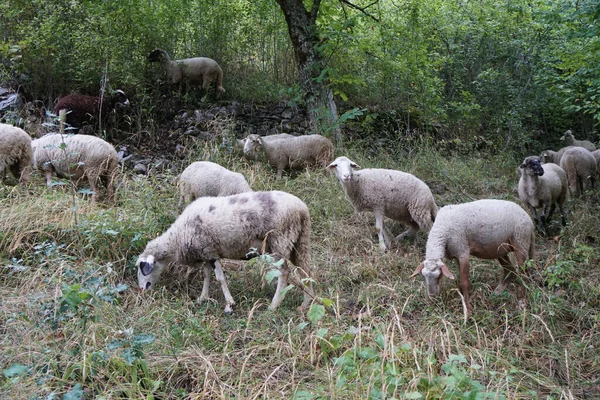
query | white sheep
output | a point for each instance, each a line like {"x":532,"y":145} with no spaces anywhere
{"x":75,"y":157}
{"x":550,"y":156}
{"x":487,"y":229}
{"x":542,"y":186}
{"x":212,"y":228}
{"x":596,"y":154}
{"x":15,"y":152}
{"x":571,"y":141}
{"x":205,"y":178}
{"x":390,"y":193}
{"x":293,"y":152}
{"x":251,"y":152}
{"x":195,"y":71}
{"x":580,"y":166}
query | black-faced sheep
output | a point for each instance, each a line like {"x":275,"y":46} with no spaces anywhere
{"x":75,"y":157}
{"x":79,"y":109}
{"x":580,"y":166}
{"x":204,"y":178}
{"x":293,"y":152}
{"x":487,"y":229}
{"x":195,"y":71}
{"x":212,"y":228}
{"x":15,"y":152}
{"x":542,"y":186}
{"x":390,"y":193}
{"x":571,"y":141}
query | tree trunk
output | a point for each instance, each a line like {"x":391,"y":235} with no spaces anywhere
{"x":321,"y":108}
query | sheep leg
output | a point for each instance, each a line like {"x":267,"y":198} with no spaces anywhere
{"x":562,"y":214}
{"x":409,"y":233}
{"x":207,"y":269}
{"x":508,"y":274}
{"x":221,"y":278}
{"x":521,"y":255}
{"x":93,"y":181}
{"x":48,"y":175}
{"x":281,"y":284}
{"x":384,"y":241}
{"x":464,"y":285}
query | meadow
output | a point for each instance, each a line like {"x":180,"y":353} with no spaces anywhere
{"x":74,"y":325}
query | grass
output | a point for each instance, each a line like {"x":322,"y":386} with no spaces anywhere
{"x":73,"y":324}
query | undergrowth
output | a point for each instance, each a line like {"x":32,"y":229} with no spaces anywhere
{"x":73,"y":324}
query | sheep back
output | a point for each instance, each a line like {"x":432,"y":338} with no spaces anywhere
{"x":580,"y":167}
{"x":400,"y":195}
{"x":15,"y":152}
{"x":298,"y":152}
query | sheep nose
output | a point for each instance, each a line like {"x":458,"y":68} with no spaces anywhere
{"x":148,"y":285}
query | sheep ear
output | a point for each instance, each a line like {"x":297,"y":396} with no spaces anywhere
{"x":146,"y":268}
{"x":417,"y":271}
{"x":447,"y":272}
{"x":242,"y":141}
{"x":332,"y":165}
{"x":354,"y":165}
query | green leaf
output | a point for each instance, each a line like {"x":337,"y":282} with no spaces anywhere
{"x":303,"y":395}
{"x":75,"y":394}
{"x":286,"y":289}
{"x":272,"y":274}
{"x":143,"y":339}
{"x":15,"y":370}
{"x":412,"y":395}
{"x":315,"y":313}
{"x":326,"y":302}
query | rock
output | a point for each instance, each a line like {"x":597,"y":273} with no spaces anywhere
{"x":140,"y":168}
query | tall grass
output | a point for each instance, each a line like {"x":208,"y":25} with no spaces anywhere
{"x":72,"y":321}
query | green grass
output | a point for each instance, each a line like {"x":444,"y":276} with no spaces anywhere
{"x":72,"y":320}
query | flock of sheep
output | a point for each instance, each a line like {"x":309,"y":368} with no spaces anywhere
{"x":226,"y":219}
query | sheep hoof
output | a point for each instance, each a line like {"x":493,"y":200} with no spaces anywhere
{"x":522,"y":304}
{"x":228,"y":310}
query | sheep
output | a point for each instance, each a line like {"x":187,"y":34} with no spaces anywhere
{"x":204,"y":178}
{"x":197,"y":70}
{"x":580,"y":166}
{"x":212,"y":228}
{"x":78,"y":109}
{"x":487,"y":229}
{"x":75,"y":157}
{"x":15,"y":152}
{"x":571,"y":141}
{"x":293,"y":152}
{"x":542,"y":186}
{"x":596,"y":155}
{"x":549,"y":156}
{"x":251,"y":152}
{"x":390,"y":193}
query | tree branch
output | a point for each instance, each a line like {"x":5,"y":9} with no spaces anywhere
{"x":362,"y":9}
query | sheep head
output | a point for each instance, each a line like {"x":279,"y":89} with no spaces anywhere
{"x":252,"y":144}
{"x":568,"y":136}
{"x":158,"y":55}
{"x":342,"y":166}
{"x":432,"y":271}
{"x":119,"y":97}
{"x":532,"y":166}
{"x":149,"y":271}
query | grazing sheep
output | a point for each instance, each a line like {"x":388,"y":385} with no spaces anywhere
{"x":212,"y":228}
{"x":394,"y":194}
{"x":571,"y":141}
{"x":580,"y":166}
{"x":542,"y":186}
{"x":596,"y":155}
{"x":78,"y":109}
{"x":487,"y":229}
{"x":204,"y":178}
{"x":15,"y":152}
{"x":293,"y":152}
{"x":75,"y":157}
{"x":251,"y":152}
{"x":195,"y":71}
{"x":549,"y":156}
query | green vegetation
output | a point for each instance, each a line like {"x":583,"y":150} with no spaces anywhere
{"x":72,"y":321}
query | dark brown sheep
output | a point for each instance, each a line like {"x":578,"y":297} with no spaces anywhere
{"x":79,"y":109}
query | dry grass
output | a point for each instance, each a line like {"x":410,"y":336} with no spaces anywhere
{"x":64,"y":317}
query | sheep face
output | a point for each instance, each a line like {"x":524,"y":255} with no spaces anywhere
{"x":149,"y":271}
{"x":432,"y":271}
{"x":252,"y":144}
{"x":532,"y":166}
{"x":342,"y":167}
{"x":568,"y":136}
{"x":121,"y":98}
{"x":157,"y":55}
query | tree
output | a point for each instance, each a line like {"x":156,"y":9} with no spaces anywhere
{"x":305,"y":38}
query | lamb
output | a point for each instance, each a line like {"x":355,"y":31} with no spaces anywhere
{"x":195,"y":71}
{"x":251,"y":152}
{"x":487,"y":229}
{"x":542,"y":186}
{"x":394,"y":194}
{"x":580,"y":166}
{"x":75,"y":157}
{"x":212,"y":228}
{"x":78,"y":109}
{"x":15,"y":152}
{"x":571,"y":141}
{"x":204,"y":178}
{"x":293,"y":152}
